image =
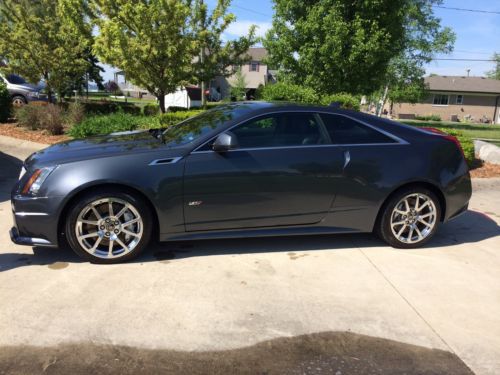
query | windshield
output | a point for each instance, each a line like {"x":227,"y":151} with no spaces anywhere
{"x":191,"y":129}
{"x":15,"y":79}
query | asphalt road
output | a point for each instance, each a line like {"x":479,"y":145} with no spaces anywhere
{"x":325,"y":304}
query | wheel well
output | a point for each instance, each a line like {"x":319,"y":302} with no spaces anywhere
{"x":426,"y":185}
{"x":123,"y":188}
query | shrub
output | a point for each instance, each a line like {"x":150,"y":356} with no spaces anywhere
{"x":172,"y":118}
{"x":150,"y":110}
{"x":75,"y":113}
{"x":288,"y":92}
{"x":428,"y":118}
{"x":300,"y":94}
{"x":106,"y":124}
{"x":5,"y":103}
{"x":346,"y":101}
{"x":108,"y":107}
{"x":51,"y":119}
{"x":28,"y":116}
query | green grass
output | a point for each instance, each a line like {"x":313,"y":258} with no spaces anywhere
{"x":474,"y":131}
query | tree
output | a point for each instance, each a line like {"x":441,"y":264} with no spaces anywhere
{"x":346,"y":45}
{"x":424,"y":37}
{"x":495,"y":73}
{"x":217,"y":58}
{"x":150,"y":40}
{"x":111,"y":86}
{"x":45,"y":39}
{"x":239,"y":90}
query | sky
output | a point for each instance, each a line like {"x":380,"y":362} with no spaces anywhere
{"x":477,"y":34}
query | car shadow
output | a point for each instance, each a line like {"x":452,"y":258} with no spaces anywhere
{"x":471,"y":227}
{"x":10,"y":167}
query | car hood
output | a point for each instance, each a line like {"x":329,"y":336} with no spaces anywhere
{"x":97,"y":147}
{"x":26,"y":87}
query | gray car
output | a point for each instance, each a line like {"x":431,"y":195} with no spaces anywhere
{"x":21,"y":91}
{"x":241,"y":170}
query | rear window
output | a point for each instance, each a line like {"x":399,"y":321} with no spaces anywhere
{"x":344,"y":130}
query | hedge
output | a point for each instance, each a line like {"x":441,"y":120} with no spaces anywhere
{"x":300,"y":94}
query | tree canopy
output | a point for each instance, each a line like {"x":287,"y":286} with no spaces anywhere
{"x":495,"y":73}
{"x":45,"y":39}
{"x":348,"y":46}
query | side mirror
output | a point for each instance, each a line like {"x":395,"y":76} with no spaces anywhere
{"x":225,"y":142}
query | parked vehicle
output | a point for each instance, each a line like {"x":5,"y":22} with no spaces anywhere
{"x":21,"y":91}
{"x":241,"y":170}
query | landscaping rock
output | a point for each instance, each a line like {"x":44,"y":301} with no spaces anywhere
{"x":487,"y":152}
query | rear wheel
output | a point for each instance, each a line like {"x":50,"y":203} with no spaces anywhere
{"x":109,"y":227}
{"x":410,"y":218}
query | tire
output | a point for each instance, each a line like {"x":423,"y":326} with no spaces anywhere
{"x":19,"y":101}
{"x":409,"y":226}
{"x":92,"y":232}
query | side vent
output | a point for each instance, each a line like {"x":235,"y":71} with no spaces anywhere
{"x":165,"y":161}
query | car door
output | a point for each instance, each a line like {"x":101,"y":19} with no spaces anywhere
{"x":282,"y":173}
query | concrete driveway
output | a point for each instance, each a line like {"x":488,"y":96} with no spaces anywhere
{"x":222,"y":295}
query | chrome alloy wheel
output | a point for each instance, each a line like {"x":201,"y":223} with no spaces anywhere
{"x":109,"y":228}
{"x":413,"y":218}
{"x":18,"y":102}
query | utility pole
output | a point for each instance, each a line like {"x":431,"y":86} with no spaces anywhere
{"x":468,"y":72}
{"x":202,"y":57}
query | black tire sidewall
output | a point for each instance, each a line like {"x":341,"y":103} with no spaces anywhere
{"x":384,"y":225}
{"x":140,"y":205}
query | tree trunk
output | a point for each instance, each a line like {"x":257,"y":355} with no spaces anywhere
{"x":203,"y":97}
{"x":161,"y":101}
{"x":384,"y":98}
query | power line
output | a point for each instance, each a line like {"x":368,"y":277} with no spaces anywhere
{"x":249,"y":10}
{"x":468,"y":10}
{"x":453,"y":59}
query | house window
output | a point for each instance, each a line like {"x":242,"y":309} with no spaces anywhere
{"x":460,"y":99}
{"x":254,"y":66}
{"x":440,"y":99}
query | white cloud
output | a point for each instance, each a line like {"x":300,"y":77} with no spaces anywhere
{"x":240,"y":28}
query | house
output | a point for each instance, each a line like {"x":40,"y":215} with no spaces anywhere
{"x":456,"y":98}
{"x":256,"y":73}
{"x":129,"y":89}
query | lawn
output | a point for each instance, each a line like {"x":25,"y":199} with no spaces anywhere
{"x":491,"y":133}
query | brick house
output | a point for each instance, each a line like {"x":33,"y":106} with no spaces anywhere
{"x":456,"y":98}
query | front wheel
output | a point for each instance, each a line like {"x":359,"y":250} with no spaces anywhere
{"x":410,"y":218}
{"x":109,"y":227}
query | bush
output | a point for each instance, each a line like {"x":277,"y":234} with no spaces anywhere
{"x":51,"y":119}
{"x":5,"y":103}
{"x":172,"y":118}
{"x":428,"y":118}
{"x":288,"y":92}
{"x":116,"y":122}
{"x":150,"y":110}
{"x":75,"y":113}
{"x":300,"y":94}
{"x":35,"y":117}
{"x":28,"y":116}
{"x":108,"y":107}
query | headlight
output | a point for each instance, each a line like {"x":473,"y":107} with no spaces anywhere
{"x":36,"y":180}
{"x":33,"y":94}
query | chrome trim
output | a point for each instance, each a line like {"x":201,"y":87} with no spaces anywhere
{"x":31,"y":214}
{"x":399,"y":141}
{"x":164,"y":161}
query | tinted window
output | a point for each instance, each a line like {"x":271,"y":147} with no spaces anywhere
{"x":344,"y":130}
{"x":15,"y":79}
{"x":282,"y":129}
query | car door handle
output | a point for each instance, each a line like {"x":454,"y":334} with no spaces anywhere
{"x":347,"y":158}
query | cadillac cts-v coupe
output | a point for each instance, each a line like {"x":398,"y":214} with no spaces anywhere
{"x":241,"y":170}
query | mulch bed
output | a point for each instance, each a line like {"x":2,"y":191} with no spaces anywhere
{"x":480,"y":170}
{"x":40,"y":136}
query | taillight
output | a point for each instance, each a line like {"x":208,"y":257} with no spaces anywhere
{"x":448,"y":137}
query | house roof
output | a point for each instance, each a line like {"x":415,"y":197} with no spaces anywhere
{"x":463,"y":84}
{"x":257,"y":53}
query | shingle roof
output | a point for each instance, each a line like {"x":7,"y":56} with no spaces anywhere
{"x":257,"y":53}
{"x":463,"y":84}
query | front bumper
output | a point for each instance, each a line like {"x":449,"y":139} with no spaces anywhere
{"x":35,"y":221}
{"x":28,"y":241}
